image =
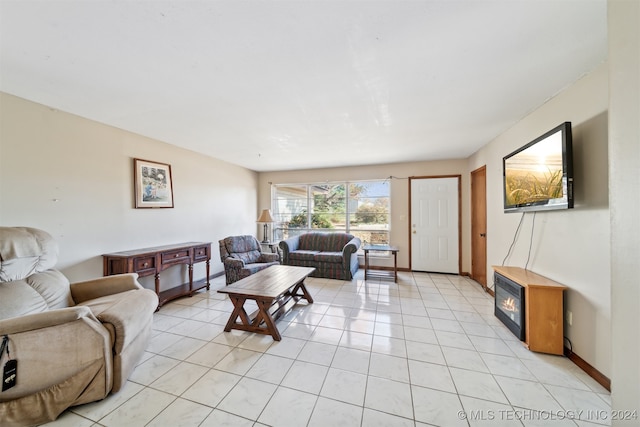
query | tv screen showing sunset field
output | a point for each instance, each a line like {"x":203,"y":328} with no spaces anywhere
{"x":534,"y":175}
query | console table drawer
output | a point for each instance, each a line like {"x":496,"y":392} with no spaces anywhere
{"x":145,"y":266}
{"x":175,"y":257}
{"x":201,"y":253}
{"x":144,"y":263}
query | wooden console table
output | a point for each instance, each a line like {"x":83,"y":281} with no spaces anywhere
{"x":543,"y":299}
{"x":152,"y":261}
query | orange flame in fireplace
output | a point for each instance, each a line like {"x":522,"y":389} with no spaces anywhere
{"x":509,"y":304}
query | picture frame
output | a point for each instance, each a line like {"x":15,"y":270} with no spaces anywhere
{"x":153,"y":184}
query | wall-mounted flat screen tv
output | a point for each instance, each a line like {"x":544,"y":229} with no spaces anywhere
{"x":539,"y":175}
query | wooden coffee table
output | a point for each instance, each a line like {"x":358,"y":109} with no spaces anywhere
{"x":275,"y":290}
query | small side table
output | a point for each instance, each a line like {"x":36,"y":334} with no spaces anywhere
{"x":273,"y":247}
{"x":378,"y":273}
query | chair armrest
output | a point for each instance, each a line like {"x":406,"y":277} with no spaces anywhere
{"x":103,"y":286}
{"x":46,"y":319}
{"x":64,"y":346}
{"x":267,"y":257}
{"x":287,"y":246}
{"x":126,"y":315}
{"x":233,"y":263}
{"x":232,"y":267}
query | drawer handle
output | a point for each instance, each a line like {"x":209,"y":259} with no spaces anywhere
{"x":176,"y":255}
{"x":145,"y":264}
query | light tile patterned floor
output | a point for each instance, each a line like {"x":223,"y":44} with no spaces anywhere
{"x":425,"y":351}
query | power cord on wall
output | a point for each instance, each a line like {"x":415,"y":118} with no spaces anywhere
{"x":533,"y":224}
{"x":570,"y":349}
{"x":515,"y":237}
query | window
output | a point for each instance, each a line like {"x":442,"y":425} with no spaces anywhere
{"x":360,"y":208}
{"x":370,"y":218}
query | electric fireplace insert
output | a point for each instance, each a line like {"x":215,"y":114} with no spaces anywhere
{"x":509,"y":305}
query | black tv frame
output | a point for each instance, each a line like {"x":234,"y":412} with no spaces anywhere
{"x":567,"y":174}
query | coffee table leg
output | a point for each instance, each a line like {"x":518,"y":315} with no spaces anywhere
{"x":263,"y":307}
{"x":305,"y":294}
{"x":246,"y":324}
{"x":238,"y":311}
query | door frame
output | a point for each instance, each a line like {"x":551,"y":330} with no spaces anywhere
{"x":475,"y":212}
{"x":459,"y":177}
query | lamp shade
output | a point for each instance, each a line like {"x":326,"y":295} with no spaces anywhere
{"x":265,"y":216}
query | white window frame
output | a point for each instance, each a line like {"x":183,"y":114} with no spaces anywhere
{"x":277,"y":227}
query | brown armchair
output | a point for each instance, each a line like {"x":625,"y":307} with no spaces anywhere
{"x":242,"y":256}
{"x":74,"y":343}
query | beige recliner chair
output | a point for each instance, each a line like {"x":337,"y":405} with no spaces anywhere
{"x":73,"y":343}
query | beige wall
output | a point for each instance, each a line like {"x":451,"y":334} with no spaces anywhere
{"x":624,"y":166}
{"x":399,"y":227}
{"x":571,"y":246}
{"x":73,"y":177}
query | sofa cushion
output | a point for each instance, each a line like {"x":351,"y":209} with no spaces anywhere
{"x":312,"y":241}
{"x":37,"y":293}
{"x":328,"y":257}
{"x":17,"y":298}
{"x":324,"y":242}
{"x":247,"y":257}
{"x":17,"y":268}
{"x":303,"y":255}
{"x":25,"y":251}
{"x":337,"y":241}
{"x":245,"y":248}
{"x":54,"y":288}
{"x":254,"y":268}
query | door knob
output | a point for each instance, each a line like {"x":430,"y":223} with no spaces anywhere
{"x":483,"y":234}
{"x":414,"y":231}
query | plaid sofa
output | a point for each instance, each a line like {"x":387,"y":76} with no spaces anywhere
{"x":241,"y":256}
{"x":334,"y":255}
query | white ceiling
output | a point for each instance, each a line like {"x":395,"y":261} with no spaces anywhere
{"x":276,"y":85}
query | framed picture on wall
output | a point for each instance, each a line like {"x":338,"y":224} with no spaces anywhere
{"x":153,"y":185}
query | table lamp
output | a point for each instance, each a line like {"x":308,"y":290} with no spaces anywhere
{"x":265,"y":218}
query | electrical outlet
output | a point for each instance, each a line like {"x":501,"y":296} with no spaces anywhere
{"x":569,"y":318}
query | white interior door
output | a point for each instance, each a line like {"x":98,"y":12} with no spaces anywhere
{"x":434,"y":225}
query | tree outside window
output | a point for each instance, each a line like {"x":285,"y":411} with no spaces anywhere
{"x":360,"y":208}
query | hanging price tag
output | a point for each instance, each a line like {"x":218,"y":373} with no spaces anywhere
{"x":9,"y":374}
{"x":10,"y":371}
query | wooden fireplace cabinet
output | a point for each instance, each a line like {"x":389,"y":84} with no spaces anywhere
{"x":152,"y":261}
{"x":543,"y":302}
